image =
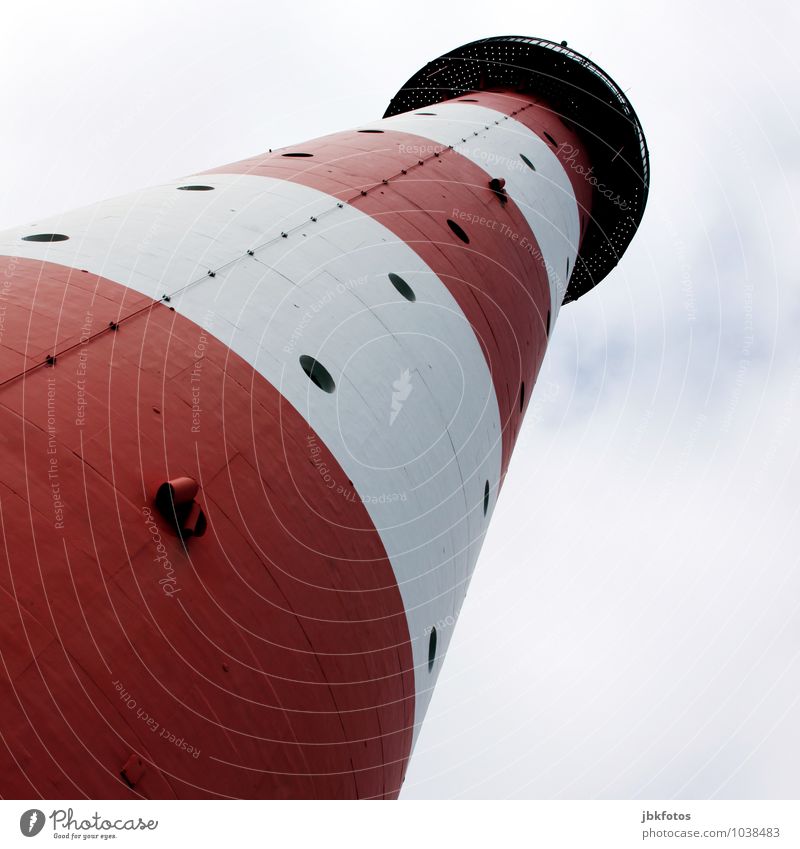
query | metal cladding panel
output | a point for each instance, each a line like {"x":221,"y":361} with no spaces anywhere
{"x":279,"y":651}
{"x":421,"y":478}
{"x":570,"y":91}
{"x":337,"y":342}
{"x":498,"y":278}
{"x":544,"y":196}
{"x":563,"y":139}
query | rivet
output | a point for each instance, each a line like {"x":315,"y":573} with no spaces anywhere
{"x":132,"y":770}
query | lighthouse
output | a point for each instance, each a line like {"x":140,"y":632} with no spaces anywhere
{"x":255,"y":423}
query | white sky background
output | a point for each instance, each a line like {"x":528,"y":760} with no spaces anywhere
{"x":633,"y":628}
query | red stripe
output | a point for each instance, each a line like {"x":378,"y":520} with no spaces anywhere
{"x":564,"y":141}
{"x":498,"y":280}
{"x":284,"y":657}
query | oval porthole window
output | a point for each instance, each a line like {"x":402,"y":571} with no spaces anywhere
{"x":432,"y":649}
{"x":550,"y":139}
{"x":521,"y":396}
{"x":402,"y":287}
{"x":196,"y":188}
{"x":486,"y":498}
{"x":317,"y":373}
{"x":547,"y":328}
{"x":527,"y":161}
{"x":370,"y":131}
{"x":45,"y":237}
{"x":424,"y":113}
{"x":297,"y":155}
{"x":467,"y":100}
{"x":458,"y":231}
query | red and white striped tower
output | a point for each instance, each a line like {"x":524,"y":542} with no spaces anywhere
{"x":321,"y":357}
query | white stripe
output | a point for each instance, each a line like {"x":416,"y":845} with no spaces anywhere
{"x":324,"y":291}
{"x":545,"y":196}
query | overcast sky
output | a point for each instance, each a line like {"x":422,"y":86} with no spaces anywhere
{"x":633,"y":627}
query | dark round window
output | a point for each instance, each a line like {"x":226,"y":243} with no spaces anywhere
{"x":45,"y":237}
{"x":297,"y":155}
{"x":424,"y":113}
{"x":522,"y":396}
{"x":550,"y":139}
{"x":196,"y":188}
{"x":527,"y":161}
{"x":547,"y":328}
{"x":458,"y":231}
{"x":317,"y":373}
{"x":370,"y":131}
{"x":402,"y":287}
{"x":432,"y":649}
{"x":486,"y":498}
